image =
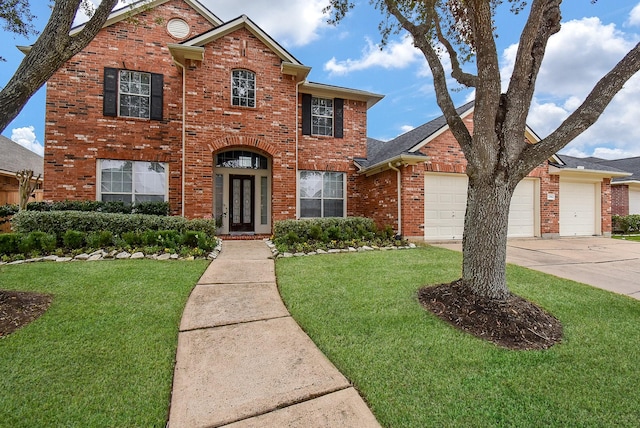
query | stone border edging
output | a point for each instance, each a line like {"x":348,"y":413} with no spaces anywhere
{"x":277,"y":254}
{"x":114,"y":255}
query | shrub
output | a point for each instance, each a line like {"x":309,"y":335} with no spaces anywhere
{"x":73,"y":239}
{"x":7,"y":211}
{"x":9,"y":243}
{"x":626,"y":224}
{"x":308,"y":234}
{"x":61,"y":221}
{"x":101,"y":239}
{"x":39,"y":242}
{"x":132,"y":238}
{"x":151,"y":208}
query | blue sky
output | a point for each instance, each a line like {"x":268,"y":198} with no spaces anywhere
{"x":593,"y":38}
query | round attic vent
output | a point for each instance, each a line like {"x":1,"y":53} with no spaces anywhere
{"x":178,"y":28}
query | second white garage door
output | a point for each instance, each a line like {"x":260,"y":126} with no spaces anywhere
{"x":445,"y":205}
{"x":578,"y":208}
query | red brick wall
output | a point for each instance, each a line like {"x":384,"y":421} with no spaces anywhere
{"x":605,"y":205}
{"x":77,"y":133}
{"x":620,"y":199}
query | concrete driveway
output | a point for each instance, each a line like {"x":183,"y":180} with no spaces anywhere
{"x":610,"y":264}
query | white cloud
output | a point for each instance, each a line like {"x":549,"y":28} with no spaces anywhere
{"x":406,"y":128}
{"x":634,"y":16}
{"x":26,"y":137}
{"x":576,"y":58}
{"x":396,"y":55}
{"x":290,"y":23}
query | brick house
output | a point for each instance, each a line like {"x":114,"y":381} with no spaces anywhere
{"x":625,"y":191}
{"x":220,"y":121}
{"x":420,"y":178}
{"x":214,"y":117}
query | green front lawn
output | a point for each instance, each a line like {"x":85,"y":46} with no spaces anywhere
{"x":416,"y":371}
{"x":103,"y":353}
{"x":627,"y":237}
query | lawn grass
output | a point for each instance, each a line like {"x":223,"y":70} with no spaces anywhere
{"x":416,"y":371}
{"x":627,"y":237}
{"x":103,"y":353}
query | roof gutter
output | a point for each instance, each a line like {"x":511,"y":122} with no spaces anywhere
{"x":397,"y":161}
{"x":554,"y":170}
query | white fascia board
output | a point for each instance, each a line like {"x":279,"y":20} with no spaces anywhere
{"x":328,"y":91}
{"x":586,"y":173}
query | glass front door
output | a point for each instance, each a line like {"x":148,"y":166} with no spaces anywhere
{"x":241,"y":203}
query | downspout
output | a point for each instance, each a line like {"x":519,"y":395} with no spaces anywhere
{"x":184,"y":132}
{"x":399,"y":178}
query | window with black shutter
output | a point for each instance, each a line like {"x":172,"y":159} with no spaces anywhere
{"x":322,"y":116}
{"x":130,"y":93}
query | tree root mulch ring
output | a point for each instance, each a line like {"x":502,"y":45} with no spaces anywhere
{"x":514,"y":323}
{"x":18,"y":308}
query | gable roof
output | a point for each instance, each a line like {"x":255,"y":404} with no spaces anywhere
{"x":143,"y":5}
{"x":242,"y":21}
{"x":407,"y":145}
{"x":15,"y":158}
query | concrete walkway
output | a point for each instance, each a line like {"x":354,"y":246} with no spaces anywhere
{"x":242,"y":361}
{"x":610,"y":264}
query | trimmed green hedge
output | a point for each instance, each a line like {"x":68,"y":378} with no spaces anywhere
{"x":626,"y":224}
{"x":58,"y":222}
{"x":6,"y":211}
{"x":151,"y":208}
{"x":331,"y":233}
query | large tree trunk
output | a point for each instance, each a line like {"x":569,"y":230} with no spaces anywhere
{"x":484,"y":245}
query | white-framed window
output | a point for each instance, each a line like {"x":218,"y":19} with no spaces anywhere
{"x":135,"y":94}
{"x":321,"y":116}
{"x":322,"y":194}
{"x":132,"y":181}
{"x":243,"y":88}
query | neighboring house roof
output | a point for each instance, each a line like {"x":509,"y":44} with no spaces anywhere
{"x":588,"y":165}
{"x":16,"y":158}
{"x":631,"y":165}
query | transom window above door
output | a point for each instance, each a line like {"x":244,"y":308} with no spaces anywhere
{"x":241,"y":159}
{"x":243,"y":88}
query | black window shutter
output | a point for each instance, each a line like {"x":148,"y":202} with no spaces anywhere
{"x":110,"y":98}
{"x":157,"y":89}
{"x":306,"y":114}
{"x":338,"y":113}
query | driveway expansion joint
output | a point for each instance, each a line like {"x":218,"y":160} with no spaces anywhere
{"x":234,"y":323}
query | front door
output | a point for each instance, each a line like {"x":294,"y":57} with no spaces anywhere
{"x":241,"y":203}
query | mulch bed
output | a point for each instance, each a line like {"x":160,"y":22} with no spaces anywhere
{"x":514,"y":323}
{"x":18,"y":308}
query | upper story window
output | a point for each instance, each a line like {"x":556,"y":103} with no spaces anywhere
{"x":135,"y":94}
{"x":243,"y":88}
{"x":129,"y":93}
{"x":321,"y":116}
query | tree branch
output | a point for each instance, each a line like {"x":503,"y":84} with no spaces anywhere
{"x":52,"y":49}
{"x":422,"y":41}
{"x":467,"y":79}
{"x":588,"y":112}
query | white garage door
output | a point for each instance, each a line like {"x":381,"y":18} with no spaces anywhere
{"x":634,"y":201}
{"x":446,"y":201}
{"x":578,"y":209}
{"x":522,"y":212}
